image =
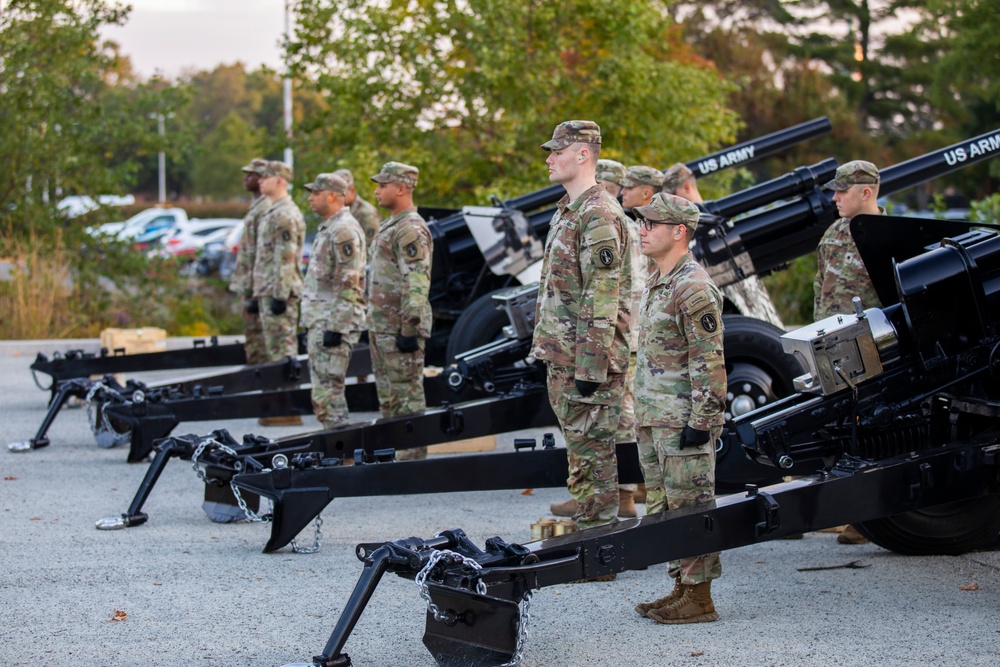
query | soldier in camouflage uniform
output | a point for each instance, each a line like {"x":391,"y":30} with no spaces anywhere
{"x":680,"y":393}
{"x":841,"y":275}
{"x":277,"y":278}
{"x":365,"y":213}
{"x":610,"y":176}
{"x":242,"y":280}
{"x":333,"y":302}
{"x":582,"y":319}
{"x":749,"y":295}
{"x":399,"y":308}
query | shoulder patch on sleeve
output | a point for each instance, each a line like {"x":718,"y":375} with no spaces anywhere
{"x":413,"y":245}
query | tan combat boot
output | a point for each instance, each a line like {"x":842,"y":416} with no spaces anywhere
{"x":694,"y":606}
{"x":643,"y":608}
{"x":639,"y":497}
{"x":567,"y":508}
{"x":850,"y":535}
{"x":626,"y":505}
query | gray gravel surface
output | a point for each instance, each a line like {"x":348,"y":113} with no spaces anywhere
{"x":198,"y":593}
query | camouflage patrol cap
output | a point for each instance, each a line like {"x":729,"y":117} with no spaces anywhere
{"x":666,"y":207}
{"x":397,"y":172}
{"x":855,"y":172}
{"x":329,"y":182}
{"x":573,"y":132}
{"x":256,"y":166}
{"x":641,"y":175}
{"x":675,"y":176}
{"x":277,"y":168}
{"x":611,"y":171}
{"x":346,"y":175}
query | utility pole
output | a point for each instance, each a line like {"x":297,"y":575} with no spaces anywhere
{"x":161,"y":126}
{"x":288,"y":88}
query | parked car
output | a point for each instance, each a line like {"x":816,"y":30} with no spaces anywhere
{"x":147,"y":221}
{"x":76,"y":205}
{"x":185,"y":239}
{"x":231,"y":247}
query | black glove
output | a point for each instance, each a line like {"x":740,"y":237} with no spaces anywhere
{"x":331,"y":338}
{"x":407,"y":343}
{"x":693,"y":437}
{"x":253,"y":306}
{"x":278,"y":307}
{"x":586,"y":387}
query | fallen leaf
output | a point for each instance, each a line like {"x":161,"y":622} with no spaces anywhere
{"x":119,"y":615}
{"x":697,"y":654}
{"x":10,"y":479}
{"x":971,"y":587}
{"x":528,"y":492}
{"x":35,"y":518}
{"x":760,"y":562}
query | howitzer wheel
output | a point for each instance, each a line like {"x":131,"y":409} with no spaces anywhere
{"x":951,"y":529}
{"x":479,"y":324}
{"x":758,"y":369}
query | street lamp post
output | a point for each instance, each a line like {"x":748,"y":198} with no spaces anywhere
{"x":162,"y":158}
{"x":288,"y":89}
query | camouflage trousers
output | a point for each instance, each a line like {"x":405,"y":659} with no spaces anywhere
{"x":589,"y":425}
{"x":255,"y":346}
{"x":679,"y":478}
{"x":280,"y":331}
{"x":327,"y":368}
{"x":399,"y":380}
{"x":626,"y":423}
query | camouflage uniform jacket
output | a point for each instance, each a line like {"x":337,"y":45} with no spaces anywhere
{"x":367,"y":216}
{"x":640,"y":272}
{"x":680,"y":377}
{"x":334,"y":297}
{"x":280,"y":236}
{"x":840,"y":273}
{"x":399,"y":278}
{"x":242,"y":280}
{"x":585,"y":295}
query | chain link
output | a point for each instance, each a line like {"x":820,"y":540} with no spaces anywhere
{"x":524,"y":608}
{"x":317,"y":536}
{"x":103,"y":425}
{"x":195,"y":460}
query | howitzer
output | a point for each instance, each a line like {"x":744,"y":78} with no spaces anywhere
{"x":900,"y":405}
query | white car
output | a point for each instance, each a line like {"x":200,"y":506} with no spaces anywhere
{"x":186,"y":238}
{"x":76,"y":205}
{"x":144,"y":222}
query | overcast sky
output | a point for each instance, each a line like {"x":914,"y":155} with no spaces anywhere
{"x":170,"y":36}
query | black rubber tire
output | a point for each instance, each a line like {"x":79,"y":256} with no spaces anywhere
{"x":754,"y":357}
{"x":950,"y":530}
{"x":481,"y":323}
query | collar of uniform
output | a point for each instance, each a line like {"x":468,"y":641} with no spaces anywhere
{"x":578,"y":202}
{"x":329,"y":221}
{"x":396,"y":218}
{"x":685,"y":258}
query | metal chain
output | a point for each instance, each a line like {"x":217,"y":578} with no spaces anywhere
{"x":522,"y":631}
{"x":524,"y":608}
{"x":316,"y":538}
{"x":200,"y":449}
{"x":421,"y":578}
{"x":34,"y":376}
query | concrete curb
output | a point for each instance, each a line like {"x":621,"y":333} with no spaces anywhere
{"x":10,"y":349}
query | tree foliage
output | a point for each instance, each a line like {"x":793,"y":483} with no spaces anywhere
{"x":468,"y":90}
{"x":65,"y":128}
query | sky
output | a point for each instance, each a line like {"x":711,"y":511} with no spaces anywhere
{"x":171,"y":36}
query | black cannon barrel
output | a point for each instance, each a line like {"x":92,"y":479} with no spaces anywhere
{"x":775,"y":237}
{"x":798,"y":182}
{"x":738,"y":154}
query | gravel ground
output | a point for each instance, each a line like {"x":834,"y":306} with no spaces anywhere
{"x":198,"y":593}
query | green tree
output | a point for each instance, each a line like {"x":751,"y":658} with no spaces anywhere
{"x":62,"y":130}
{"x":226,"y":148}
{"x":468,"y":90}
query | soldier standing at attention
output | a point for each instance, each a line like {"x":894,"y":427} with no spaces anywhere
{"x":364,"y":212}
{"x":840,"y":274}
{"x":582,"y":319}
{"x":242,"y":280}
{"x":748,"y":295}
{"x":277,"y":278}
{"x":333,"y":302}
{"x":610,"y":176}
{"x":399,"y":308}
{"x":680,"y":394}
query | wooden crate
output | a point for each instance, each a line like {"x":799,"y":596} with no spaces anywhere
{"x":135,"y":341}
{"x":485,"y":443}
